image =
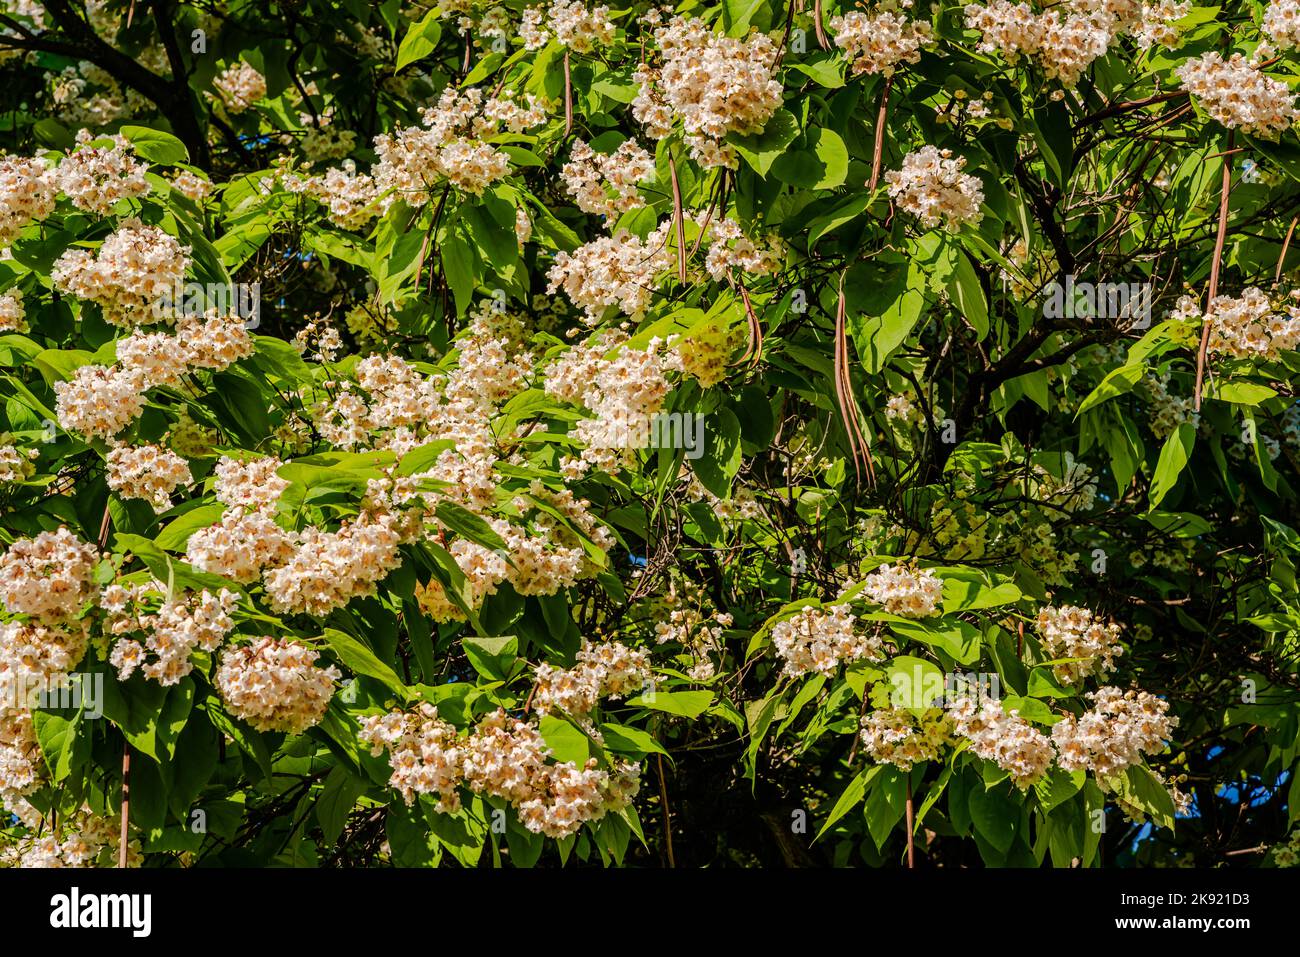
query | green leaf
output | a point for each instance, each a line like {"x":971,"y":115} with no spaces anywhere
{"x":493,"y":658}
{"x":827,"y":71}
{"x":914,"y":683}
{"x":966,"y":589}
{"x":761,"y":150}
{"x":458,"y":266}
{"x":850,"y":798}
{"x":686,"y":704}
{"x":1139,"y":787}
{"x":722,"y":454}
{"x":420,"y":40}
{"x":1117,"y":382}
{"x":567,"y":743}
{"x":168,"y":569}
{"x":281,"y":360}
{"x":845,"y":212}
{"x":968,"y":295}
{"x":961,"y":640}
{"x":156,"y":146}
{"x":819,"y":160}
{"x":884,"y":303}
{"x":58,"y":737}
{"x":177,"y":533}
{"x":625,"y":739}
{"x":1240,"y":392}
{"x":337,"y":798}
{"x":1173,"y":457}
{"x":466,"y":524}
{"x":1057,"y":786}
{"x":174,"y":716}
{"x":361,"y":660}
{"x":994,"y":816}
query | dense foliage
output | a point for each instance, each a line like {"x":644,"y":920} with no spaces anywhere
{"x":744,"y":433}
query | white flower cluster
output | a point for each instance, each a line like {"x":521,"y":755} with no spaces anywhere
{"x":1159,"y":23}
{"x":570,"y":22}
{"x":623,"y":391}
{"x":878,"y":42}
{"x":484,"y":570}
{"x":149,"y":472}
{"x":27,"y":194}
{"x":95,"y":178}
{"x":730,"y":248}
{"x":274,"y":684}
{"x":85,"y":840}
{"x":503,"y":757}
{"x":34,"y":657}
{"x":1236,"y":94}
{"x":1074,"y":491}
{"x":1074,"y":632}
{"x":540,"y":564}
{"x":506,"y":759}
{"x":554,"y":557}
{"x":1168,"y":411}
{"x":212,"y":342}
{"x":603,"y":670}
{"x":682,"y":619}
{"x":136,"y":268}
{"x":1062,"y":42}
{"x":1248,"y":327}
{"x":13,"y":317}
{"x":328,"y":142}
{"x":15,"y":464}
{"x":1282,"y":23}
{"x":240,"y":86}
{"x":589,"y":177}
{"x":241,"y":547}
{"x":249,"y":483}
{"x":100,"y":401}
{"x":906,"y":591}
{"x":932,"y":187}
{"x":1003,"y":737}
{"x":351,"y":199}
{"x":49,"y":577}
{"x":183,"y":623}
{"x":900,"y":407}
{"x":822,"y":640}
{"x":898,"y":737}
{"x":191,"y":185}
{"x":504,"y":108}
{"x":329,"y":569}
{"x":449,"y":147}
{"x":1113,"y":734}
{"x":426,"y":753}
{"x":618,"y":270}
{"x":715,"y":84}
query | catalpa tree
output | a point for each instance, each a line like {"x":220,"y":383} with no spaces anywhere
{"x":739,"y":433}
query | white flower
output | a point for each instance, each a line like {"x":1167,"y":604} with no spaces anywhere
{"x":932,"y":187}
